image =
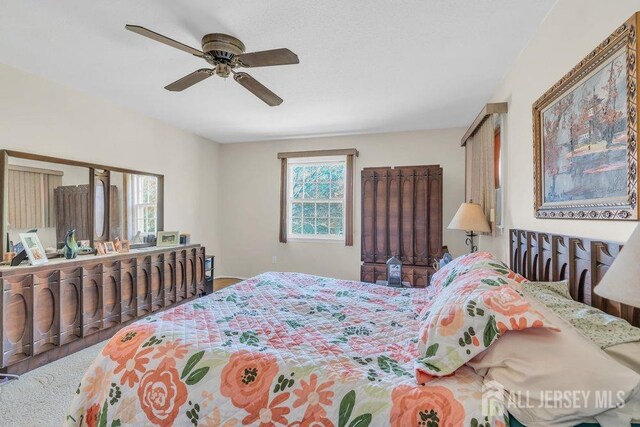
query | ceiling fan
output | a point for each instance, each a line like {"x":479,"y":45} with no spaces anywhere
{"x":225,"y":53}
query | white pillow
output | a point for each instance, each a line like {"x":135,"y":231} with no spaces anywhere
{"x":537,"y":364}
{"x":627,"y":354}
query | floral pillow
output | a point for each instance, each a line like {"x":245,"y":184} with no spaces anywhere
{"x":465,"y":263}
{"x":467,"y":318}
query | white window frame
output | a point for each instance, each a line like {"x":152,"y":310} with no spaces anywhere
{"x":315,"y":161}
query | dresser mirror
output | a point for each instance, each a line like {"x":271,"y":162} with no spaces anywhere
{"x":100,"y":202}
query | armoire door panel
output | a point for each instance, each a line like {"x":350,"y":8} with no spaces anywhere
{"x":407,"y":216}
{"x":368,"y":215}
{"x":420,"y":218}
{"x":366,"y":273}
{"x":381,"y":242}
{"x":434,"y":219}
{"x":394,"y":213}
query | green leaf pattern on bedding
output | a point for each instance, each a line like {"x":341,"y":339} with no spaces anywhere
{"x":280,"y":349}
{"x":603,"y":329}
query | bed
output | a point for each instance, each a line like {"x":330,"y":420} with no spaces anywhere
{"x":298,"y":350}
{"x":278,"y":349}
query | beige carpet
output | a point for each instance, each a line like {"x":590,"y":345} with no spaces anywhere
{"x":41,"y":397}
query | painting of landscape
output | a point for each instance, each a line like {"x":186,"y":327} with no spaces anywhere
{"x":584,"y":139}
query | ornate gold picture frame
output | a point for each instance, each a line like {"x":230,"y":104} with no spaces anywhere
{"x":585,"y":135}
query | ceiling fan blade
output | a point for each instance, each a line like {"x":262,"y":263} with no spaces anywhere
{"x":267,"y":58}
{"x":258,"y":89}
{"x":162,"y":39}
{"x":189,"y":80}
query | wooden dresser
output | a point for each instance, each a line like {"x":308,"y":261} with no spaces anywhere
{"x":55,"y":309}
{"x":402,"y":217}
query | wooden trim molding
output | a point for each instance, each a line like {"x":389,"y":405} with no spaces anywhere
{"x":319,"y":153}
{"x":489,"y":109}
{"x":348,"y":190}
{"x":283,"y":200}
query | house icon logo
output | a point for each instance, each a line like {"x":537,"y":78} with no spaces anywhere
{"x":493,"y":400}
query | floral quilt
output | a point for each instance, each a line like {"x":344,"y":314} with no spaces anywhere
{"x":280,"y":349}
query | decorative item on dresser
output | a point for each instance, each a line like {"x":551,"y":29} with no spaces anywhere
{"x":401,"y":216}
{"x":583,"y":262}
{"x":55,"y":309}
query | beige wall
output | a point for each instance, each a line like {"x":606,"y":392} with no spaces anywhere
{"x":41,"y":117}
{"x":571,"y":30}
{"x":249,"y":199}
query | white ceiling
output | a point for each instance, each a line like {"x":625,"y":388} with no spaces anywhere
{"x":366,"y":66}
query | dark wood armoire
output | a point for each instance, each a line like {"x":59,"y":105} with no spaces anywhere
{"x":402,"y":217}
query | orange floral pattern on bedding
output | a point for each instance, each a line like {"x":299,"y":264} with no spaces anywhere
{"x":468,"y":316}
{"x":280,"y":349}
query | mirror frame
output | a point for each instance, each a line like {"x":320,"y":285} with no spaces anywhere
{"x":92,"y":167}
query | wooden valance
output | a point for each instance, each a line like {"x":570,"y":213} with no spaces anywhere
{"x":489,"y":109}
{"x":319,"y":153}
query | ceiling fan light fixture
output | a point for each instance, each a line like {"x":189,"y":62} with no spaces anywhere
{"x":222,"y":70}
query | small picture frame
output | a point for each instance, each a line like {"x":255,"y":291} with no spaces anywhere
{"x":109,"y":248}
{"x":116,"y":244}
{"x":84,"y":243}
{"x":100,"y":250}
{"x":168,"y":238}
{"x":125,"y":246}
{"x":34,"y":249}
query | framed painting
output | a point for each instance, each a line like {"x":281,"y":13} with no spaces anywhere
{"x":585,"y":135}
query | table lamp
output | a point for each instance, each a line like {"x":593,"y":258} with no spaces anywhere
{"x":620,"y":282}
{"x":470,"y":218}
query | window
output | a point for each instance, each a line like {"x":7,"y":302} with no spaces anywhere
{"x":483,"y":152}
{"x":316,"y":195}
{"x":144,"y":204}
{"x":316,"y":198}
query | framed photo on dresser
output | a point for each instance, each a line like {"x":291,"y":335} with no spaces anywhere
{"x":168,"y":238}
{"x":33,"y":248}
{"x":585,"y":135}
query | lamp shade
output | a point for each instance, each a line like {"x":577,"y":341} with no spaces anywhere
{"x":620,"y":283}
{"x":470,"y":217}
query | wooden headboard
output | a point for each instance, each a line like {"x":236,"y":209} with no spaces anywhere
{"x":545,"y":257}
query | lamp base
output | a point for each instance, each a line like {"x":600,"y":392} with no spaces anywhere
{"x":470,"y":242}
